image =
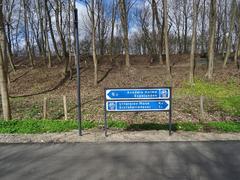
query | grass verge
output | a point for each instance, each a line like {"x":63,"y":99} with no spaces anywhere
{"x":57,"y":126}
{"x":226,"y":96}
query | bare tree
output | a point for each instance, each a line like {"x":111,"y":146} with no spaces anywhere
{"x":113,"y":20}
{"x":194,"y":34}
{"x":124,"y":21}
{"x":26,"y":4}
{"x":59,"y":23}
{"x":70,"y":48}
{"x":154,"y":35}
{"x":177,"y":20}
{"x":212,"y":32}
{"x":8,"y":23}
{"x":52,"y":32}
{"x":47,"y":46}
{"x":224,"y":26}
{"x":203,"y":27}
{"x":102,"y":27}
{"x":3,"y":69}
{"x":165,"y":12}
{"x":91,"y":4}
{"x":186,"y":9}
{"x":229,"y":37}
{"x":40,"y":27}
{"x":237,"y":48}
{"x":143,"y":17}
{"x":159,"y":37}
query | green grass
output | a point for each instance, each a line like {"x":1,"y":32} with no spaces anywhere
{"x":225,"y":126}
{"x":189,"y":126}
{"x":57,"y":126}
{"x":117,"y":124}
{"x":36,"y":126}
{"x":230,"y":104}
{"x":226,"y":96}
{"x":211,"y":90}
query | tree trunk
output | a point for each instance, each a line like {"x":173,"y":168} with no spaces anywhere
{"x":124,"y":21}
{"x":42,"y":47}
{"x":237,"y":52}
{"x":154,"y":38}
{"x":159,"y":37}
{"x":212,"y":32}
{"x":185,"y":25}
{"x":70,"y":9}
{"x":26,"y":30}
{"x":52,"y":33}
{"x":165,"y":12}
{"x":91,"y":8}
{"x":9,"y":48}
{"x":58,"y":18}
{"x":101,"y":27}
{"x":224,"y":28}
{"x":3,"y":73}
{"x":237,"y":49}
{"x":11,"y":60}
{"x":229,"y":38}
{"x":17,"y":32}
{"x":47,"y":46}
{"x":112,"y":30}
{"x":218,"y":35}
{"x":203,"y":39}
{"x":192,"y":60}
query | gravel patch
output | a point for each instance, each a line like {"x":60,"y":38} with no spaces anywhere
{"x":116,"y":136}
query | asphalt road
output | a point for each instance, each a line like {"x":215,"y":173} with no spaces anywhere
{"x":166,"y":160}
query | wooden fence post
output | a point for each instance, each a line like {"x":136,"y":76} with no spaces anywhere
{"x":65,"y":107}
{"x":45,"y":108}
{"x":202,"y":107}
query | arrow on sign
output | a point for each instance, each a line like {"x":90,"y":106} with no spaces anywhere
{"x":113,"y":94}
{"x":162,"y":105}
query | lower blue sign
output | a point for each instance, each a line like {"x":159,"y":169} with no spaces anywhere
{"x":153,"y":105}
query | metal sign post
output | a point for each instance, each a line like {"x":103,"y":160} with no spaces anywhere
{"x":78,"y":71}
{"x":157,"y":99}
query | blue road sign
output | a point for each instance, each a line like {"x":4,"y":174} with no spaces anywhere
{"x":138,"y":100}
{"x":151,"y":105}
{"x":125,"y":94}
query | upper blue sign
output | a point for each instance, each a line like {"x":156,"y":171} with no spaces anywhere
{"x":154,"y":93}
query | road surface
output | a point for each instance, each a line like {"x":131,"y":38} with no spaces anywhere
{"x":163,"y":160}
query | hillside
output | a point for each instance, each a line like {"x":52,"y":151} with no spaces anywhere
{"x":28,"y":88}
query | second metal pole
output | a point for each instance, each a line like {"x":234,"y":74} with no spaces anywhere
{"x":78,"y":71}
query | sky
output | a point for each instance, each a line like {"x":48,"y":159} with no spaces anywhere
{"x":83,"y":16}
